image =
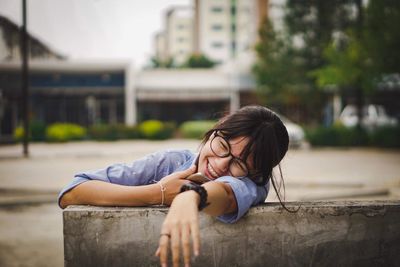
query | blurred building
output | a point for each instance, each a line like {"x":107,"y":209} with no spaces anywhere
{"x":160,"y":43}
{"x":218,"y":29}
{"x":63,"y":91}
{"x":89,"y":93}
{"x":10,"y":49}
{"x":189,"y":94}
{"x":179,"y":34}
{"x":225,"y":28}
{"x":10,"y":73}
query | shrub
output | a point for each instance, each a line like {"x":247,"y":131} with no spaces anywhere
{"x":127,"y":132}
{"x":112,"y":132}
{"x":156,"y":130}
{"x":102,"y":132}
{"x":37,"y":131}
{"x":337,"y":135}
{"x":387,"y":136}
{"x":62,"y":132}
{"x":195,"y":129}
{"x":18,"y":133}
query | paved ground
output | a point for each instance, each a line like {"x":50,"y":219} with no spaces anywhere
{"x":31,"y":223}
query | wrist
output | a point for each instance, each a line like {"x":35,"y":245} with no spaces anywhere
{"x":156,"y":194}
{"x":198,"y":190}
{"x":192,"y":196}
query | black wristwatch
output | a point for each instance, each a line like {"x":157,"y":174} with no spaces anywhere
{"x":199,"y":190}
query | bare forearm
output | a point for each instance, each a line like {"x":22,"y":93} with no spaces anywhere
{"x":221,"y":198}
{"x":100,"y":193}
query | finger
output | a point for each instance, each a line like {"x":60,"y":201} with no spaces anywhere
{"x":194,"y":228}
{"x":186,"y":244}
{"x":175,"y":241}
{"x":189,"y":171}
{"x":157,"y":254}
{"x":163,"y":250}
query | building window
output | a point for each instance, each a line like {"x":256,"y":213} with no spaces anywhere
{"x":217,"y":44}
{"x":181,"y":40}
{"x":216,"y":27}
{"x":233,"y":46}
{"x":105,"y":77}
{"x":56,"y":77}
{"x":180,"y":26}
{"x":216,"y":9}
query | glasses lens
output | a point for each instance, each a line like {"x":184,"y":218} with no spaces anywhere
{"x":220,"y":147}
{"x":238,"y":168}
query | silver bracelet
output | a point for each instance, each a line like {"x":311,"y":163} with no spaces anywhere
{"x":163,"y":188}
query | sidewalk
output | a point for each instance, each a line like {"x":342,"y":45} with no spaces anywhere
{"x":309,"y":174}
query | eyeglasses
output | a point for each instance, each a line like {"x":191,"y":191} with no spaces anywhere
{"x":221,"y":148}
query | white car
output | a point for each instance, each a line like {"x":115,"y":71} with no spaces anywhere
{"x":373,"y":116}
{"x":296,"y":133}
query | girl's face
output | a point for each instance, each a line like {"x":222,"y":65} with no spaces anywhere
{"x":216,"y":161}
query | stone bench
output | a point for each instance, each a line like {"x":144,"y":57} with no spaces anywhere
{"x":343,"y":233}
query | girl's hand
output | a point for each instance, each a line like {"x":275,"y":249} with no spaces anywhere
{"x":173,"y":183}
{"x":181,"y":223}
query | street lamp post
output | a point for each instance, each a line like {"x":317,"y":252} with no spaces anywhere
{"x":25,"y":80}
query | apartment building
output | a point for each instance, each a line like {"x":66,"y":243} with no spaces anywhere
{"x":179,"y":34}
{"x":224,"y":28}
{"x":219,"y":29}
{"x":160,"y":43}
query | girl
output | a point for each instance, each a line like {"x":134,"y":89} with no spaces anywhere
{"x":237,"y":157}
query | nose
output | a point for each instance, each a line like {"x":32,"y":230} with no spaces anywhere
{"x":222,"y":164}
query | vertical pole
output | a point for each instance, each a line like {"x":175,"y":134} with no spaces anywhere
{"x":130,"y":96}
{"x":234,"y":90}
{"x":196,"y":28}
{"x":25,"y":79}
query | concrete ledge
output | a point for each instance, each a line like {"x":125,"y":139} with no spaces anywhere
{"x":361,"y":233}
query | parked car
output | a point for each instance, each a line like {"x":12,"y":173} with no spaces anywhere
{"x":296,"y":133}
{"x":373,"y":116}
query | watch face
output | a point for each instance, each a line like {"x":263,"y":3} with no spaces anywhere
{"x":198,"y":178}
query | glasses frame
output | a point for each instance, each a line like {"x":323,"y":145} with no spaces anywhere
{"x":229,"y":154}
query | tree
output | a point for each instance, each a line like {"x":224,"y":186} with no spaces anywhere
{"x":158,"y":63}
{"x":286,"y":59}
{"x":198,"y":61}
{"x":369,"y":51}
{"x":277,"y":76}
{"x":382,"y":37}
{"x":346,"y":66}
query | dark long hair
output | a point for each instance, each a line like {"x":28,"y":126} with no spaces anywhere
{"x":268,"y":142}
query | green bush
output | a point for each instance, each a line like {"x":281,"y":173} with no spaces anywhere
{"x":387,"y":136}
{"x":127,"y":132}
{"x":102,"y":132}
{"x":37,"y":131}
{"x":19,"y":133}
{"x":195,"y":129}
{"x":337,"y":135}
{"x":62,"y":132}
{"x":156,"y":130}
{"x":111,"y":132}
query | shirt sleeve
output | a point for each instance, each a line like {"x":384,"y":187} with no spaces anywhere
{"x":247,"y":194}
{"x":140,"y":172}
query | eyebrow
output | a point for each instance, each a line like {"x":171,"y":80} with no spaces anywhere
{"x":242,"y":159}
{"x":241,"y":140}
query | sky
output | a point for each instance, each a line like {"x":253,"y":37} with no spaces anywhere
{"x":95,"y":29}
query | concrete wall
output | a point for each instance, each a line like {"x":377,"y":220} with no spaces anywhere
{"x":320,"y":234}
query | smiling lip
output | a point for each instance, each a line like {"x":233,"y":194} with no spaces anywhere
{"x":210,"y":173}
